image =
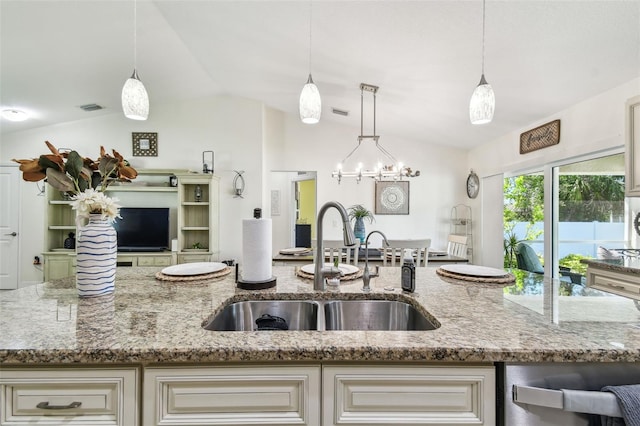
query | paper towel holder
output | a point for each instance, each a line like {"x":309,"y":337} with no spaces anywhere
{"x":254,"y":285}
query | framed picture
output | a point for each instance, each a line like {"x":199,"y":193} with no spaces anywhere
{"x":392,"y":197}
{"x":145,"y":144}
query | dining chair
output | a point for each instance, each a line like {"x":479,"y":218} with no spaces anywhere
{"x":457,"y":245}
{"x":394,"y":253}
{"x":336,"y":249}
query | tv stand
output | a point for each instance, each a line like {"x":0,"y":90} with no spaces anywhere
{"x":196,"y":224}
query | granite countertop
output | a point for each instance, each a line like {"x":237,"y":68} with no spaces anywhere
{"x":149,"y":321}
{"x":625,"y":264}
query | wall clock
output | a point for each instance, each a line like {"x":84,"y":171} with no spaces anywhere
{"x":636,"y":223}
{"x":473,"y":185}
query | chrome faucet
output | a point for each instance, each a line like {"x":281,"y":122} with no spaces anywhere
{"x":349,"y":240}
{"x":366,"y":276}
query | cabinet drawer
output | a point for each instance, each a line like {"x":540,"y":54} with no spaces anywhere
{"x":357,"y":395}
{"x":232,"y":396}
{"x":612,"y":282}
{"x":190,"y":258}
{"x":154,"y":260}
{"x":69,"y":396}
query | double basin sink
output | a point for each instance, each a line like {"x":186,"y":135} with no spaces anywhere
{"x":322,"y":315}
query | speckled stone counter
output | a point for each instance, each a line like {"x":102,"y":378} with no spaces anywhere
{"x":148,"y":321}
{"x":624,"y":265}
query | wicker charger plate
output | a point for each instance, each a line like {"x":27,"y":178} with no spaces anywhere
{"x":349,"y":277}
{"x":508,"y":278}
{"x":185,"y":278}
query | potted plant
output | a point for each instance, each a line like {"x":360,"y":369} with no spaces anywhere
{"x":358,"y":213}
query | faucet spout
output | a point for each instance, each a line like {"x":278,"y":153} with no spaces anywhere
{"x":366,"y":276}
{"x":349,"y":240}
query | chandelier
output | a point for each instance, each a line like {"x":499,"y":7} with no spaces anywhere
{"x":395,"y":170}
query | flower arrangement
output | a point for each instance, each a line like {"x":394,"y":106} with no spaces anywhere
{"x":81,"y":178}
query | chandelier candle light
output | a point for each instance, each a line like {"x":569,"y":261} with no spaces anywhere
{"x":135,"y":100}
{"x":483,"y":101}
{"x":310,"y":101}
{"x":395,"y":170}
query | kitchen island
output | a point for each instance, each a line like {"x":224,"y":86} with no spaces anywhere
{"x":153,"y":329}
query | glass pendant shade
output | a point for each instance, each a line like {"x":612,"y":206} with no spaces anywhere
{"x":310,"y":103}
{"x":135,"y":100}
{"x":482,"y":104}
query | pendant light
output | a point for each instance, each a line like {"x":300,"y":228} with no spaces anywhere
{"x":310,"y":102}
{"x":135,"y":100}
{"x":483,"y":101}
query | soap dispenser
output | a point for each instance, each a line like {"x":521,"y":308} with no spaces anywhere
{"x":408,"y":272}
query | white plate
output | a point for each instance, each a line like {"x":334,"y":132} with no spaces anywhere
{"x":195,"y":268}
{"x":474,"y":270}
{"x":295,"y":250}
{"x":345,"y":268}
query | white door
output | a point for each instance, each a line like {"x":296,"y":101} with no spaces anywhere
{"x":9,"y":241}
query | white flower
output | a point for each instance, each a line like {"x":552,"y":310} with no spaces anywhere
{"x":95,"y":202}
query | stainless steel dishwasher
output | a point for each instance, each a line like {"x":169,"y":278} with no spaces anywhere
{"x":544,"y":394}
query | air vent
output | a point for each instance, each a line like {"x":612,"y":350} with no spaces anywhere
{"x":91,"y":107}
{"x":340,"y":112}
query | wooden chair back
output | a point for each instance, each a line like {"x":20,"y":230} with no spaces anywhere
{"x":393,"y":254}
{"x":457,"y":245}
{"x":336,"y":249}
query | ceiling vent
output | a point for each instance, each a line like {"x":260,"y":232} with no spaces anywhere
{"x":91,"y":107}
{"x":340,"y":112}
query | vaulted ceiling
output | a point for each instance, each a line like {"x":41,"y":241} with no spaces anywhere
{"x":426,"y":56}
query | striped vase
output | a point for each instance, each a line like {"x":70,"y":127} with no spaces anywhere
{"x":97,"y":253}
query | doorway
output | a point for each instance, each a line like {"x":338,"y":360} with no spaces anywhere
{"x":293,"y":208}
{"x":9,"y":227}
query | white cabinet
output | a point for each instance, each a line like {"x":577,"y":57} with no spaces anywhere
{"x":198,"y":220}
{"x":632,"y":151}
{"x":403,"y":395}
{"x":232,"y":395}
{"x":70,"y":396}
{"x":626,"y":285}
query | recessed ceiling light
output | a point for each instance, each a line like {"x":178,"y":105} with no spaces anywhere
{"x":14,"y":115}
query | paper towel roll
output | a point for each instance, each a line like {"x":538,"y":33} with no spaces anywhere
{"x":256,"y":249}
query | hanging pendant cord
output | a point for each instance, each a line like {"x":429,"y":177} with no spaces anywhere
{"x":135,"y":34}
{"x":483,"y":18}
{"x":310,"y":21}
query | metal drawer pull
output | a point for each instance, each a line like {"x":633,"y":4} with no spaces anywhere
{"x":45,"y":406}
{"x":577,"y":401}
{"x":618,"y":286}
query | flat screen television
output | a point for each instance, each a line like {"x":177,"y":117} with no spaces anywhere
{"x":143,"y":229}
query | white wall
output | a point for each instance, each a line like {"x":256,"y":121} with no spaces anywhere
{"x":592,"y":126}
{"x":231,"y":127}
{"x":247,"y":136}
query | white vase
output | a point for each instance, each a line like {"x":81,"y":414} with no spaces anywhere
{"x":97,"y":253}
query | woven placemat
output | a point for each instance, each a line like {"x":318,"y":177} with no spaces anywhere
{"x":186,"y":278}
{"x":509,"y":278}
{"x":349,"y":277}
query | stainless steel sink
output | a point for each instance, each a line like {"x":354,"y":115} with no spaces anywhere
{"x":330,"y":315}
{"x":374,"y":315}
{"x":242,"y":316}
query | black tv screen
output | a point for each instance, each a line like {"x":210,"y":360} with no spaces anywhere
{"x":143,"y":229}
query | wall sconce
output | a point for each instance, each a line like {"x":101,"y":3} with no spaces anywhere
{"x":238,"y":184}
{"x":207,"y":161}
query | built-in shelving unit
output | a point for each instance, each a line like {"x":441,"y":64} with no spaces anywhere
{"x":461,"y":224}
{"x":195,"y":221}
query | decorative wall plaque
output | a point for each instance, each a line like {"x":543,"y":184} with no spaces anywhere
{"x":540,"y":137}
{"x":392,"y":197}
{"x":145,"y":144}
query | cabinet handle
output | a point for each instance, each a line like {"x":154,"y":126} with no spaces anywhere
{"x":45,"y":405}
{"x":13,"y":234}
{"x":619,"y":287}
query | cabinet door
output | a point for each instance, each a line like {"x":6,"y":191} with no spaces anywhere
{"x":357,"y":395}
{"x":613,"y":282}
{"x":273,"y":395}
{"x":632,"y":149}
{"x":83,"y":397}
{"x":56,"y":267}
